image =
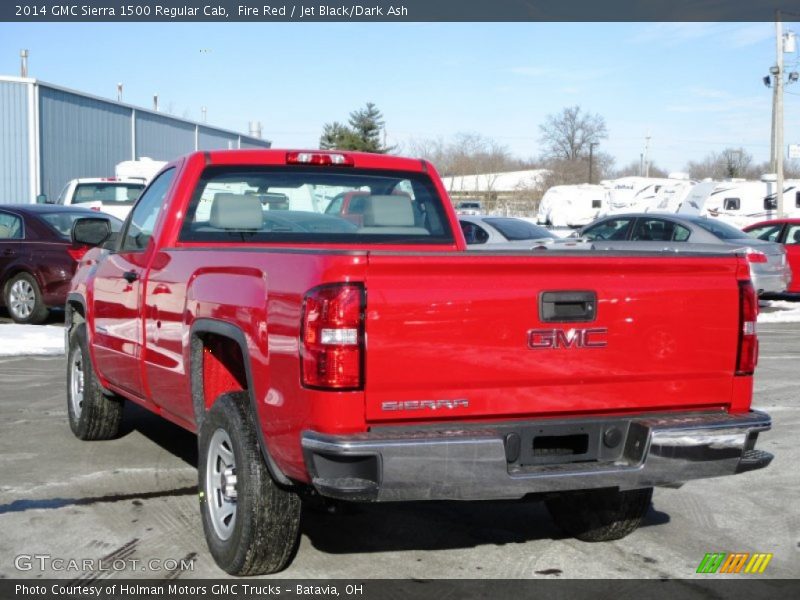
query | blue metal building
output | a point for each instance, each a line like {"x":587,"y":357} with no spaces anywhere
{"x":50,"y":134}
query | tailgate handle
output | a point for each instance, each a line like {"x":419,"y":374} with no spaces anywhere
{"x":567,"y":307}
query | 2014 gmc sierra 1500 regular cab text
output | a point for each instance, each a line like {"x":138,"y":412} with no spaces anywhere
{"x":382,"y":361}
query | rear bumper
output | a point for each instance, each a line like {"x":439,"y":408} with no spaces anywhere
{"x":475,"y":463}
{"x":771,"y":282}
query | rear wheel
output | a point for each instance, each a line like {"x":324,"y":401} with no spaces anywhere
{"x":24,"y":300}
{"x":600,"y":515}
{"x":93,"y":414}
{"x":251,"y":525}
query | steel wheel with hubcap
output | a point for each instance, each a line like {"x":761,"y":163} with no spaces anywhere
{"x":24,"y":300}
{"x":94,"y":414}
{"x":221,"y":484}
{"x":251,"y":524}
{"x":76,"y":384}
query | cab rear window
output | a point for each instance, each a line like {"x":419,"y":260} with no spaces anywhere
{"x":315,"y":205}
{"x":112,"y":193}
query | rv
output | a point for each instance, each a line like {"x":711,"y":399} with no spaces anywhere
{"x":637,"y":194}
{"x":742,"y":203}
{"x":669,"y":198}
{"x":572,"y":205}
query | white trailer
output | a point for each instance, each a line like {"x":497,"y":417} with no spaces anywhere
{"x":578,"y":205}
{"x":742,"y":203}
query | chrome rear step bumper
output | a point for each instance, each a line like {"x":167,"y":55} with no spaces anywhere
{"x":460,"y":462}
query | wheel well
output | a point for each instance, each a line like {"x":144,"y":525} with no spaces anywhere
{"x":218,"y":367}
{"x":74,"y":315}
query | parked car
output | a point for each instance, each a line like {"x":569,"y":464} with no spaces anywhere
{"x":769,"y":268}
{"x":469,"y":207}
{"x":37,"y":258}
{"x":509,"y":233}
{"x":786,"y":232}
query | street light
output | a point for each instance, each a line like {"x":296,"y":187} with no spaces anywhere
{"x":591,"y":157}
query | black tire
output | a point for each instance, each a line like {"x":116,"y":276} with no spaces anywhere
{"x":261,"y":537}
{"x":600,"y":515}
{"x":23,"y":300}
{"x":93,"y":413}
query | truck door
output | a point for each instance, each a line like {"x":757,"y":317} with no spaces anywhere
{"x":118,"y":288}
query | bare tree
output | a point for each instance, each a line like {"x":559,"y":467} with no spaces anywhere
{"x":568,"y":172}
{"x":568,"y":134}
{"x":736,"y":162}
{"x":635,"y":168}
{"x":467,"y":154}
{"x":728,"y":164}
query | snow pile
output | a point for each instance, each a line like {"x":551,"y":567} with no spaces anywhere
{"x":779,"y":311}
{"x":18,"y":340}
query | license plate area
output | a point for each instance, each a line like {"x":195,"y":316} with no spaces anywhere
{"x":581,"y":442}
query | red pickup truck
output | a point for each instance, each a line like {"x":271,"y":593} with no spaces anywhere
{"x":382,"y":361}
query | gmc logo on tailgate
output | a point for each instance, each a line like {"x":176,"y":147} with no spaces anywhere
{"x":539,"y":339}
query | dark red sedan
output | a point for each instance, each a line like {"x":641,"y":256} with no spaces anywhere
{"x":786,"y":232}
{"x":37,"y":258}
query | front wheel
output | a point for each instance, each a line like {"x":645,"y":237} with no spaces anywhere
{"x":93,"y":414}
{"x":251,"y":525}
{"x":600,"y":515}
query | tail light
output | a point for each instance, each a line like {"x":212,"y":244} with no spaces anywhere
{"x":332,"y":349}
{"x":319,"y":158}
{"x":747,"y":355}
{"x":77,"y":252}
{"x":753,"y":256}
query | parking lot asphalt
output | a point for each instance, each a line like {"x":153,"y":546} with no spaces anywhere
{"x":135,"y":498}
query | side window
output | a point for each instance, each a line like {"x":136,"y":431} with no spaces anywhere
{"x":473,"y":233}
{"x":793,"y":235}
{"x":10,"y":227}
{"x":771,"y":203}
{"x":680,"y":234}
{"x":653,"y":230}
{"x":766,"y":232}
{"x":731,"y":204}
{"x":797,"y":199}
{"x":335,"y":207}
{"x":612,"y":229}
{"x":143,"y":218}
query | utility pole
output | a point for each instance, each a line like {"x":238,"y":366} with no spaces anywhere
{"x":646,"y":160}
{"x":591,"y":158}
{"x":778,"y":114}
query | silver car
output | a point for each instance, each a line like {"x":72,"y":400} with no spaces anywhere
{"x":769,"y":269}
{"x":509,"y":233}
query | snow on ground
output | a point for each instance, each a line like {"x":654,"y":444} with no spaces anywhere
{"x":779,"y":311}
{"x":18,"y":340}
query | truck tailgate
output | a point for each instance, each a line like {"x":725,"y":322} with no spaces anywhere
{"x":462,"y":336}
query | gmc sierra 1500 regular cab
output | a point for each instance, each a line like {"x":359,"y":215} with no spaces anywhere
{"x":382,"y":361}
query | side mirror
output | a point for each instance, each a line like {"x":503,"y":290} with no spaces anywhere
{"x":90,"y":231}
{"x":42,"y":199}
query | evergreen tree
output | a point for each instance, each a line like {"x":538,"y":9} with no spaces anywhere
{"x":363,"y":134}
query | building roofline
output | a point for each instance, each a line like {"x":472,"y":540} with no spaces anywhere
{"x":61,"y":88}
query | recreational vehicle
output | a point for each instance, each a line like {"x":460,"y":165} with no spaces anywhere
{"x":572,"y":205}
{"x":742,"y":203}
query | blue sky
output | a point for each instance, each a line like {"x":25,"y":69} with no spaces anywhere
{"x":694,"y":87}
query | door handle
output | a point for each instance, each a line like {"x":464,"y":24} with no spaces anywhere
{"x":130,"y":276}
{"x":9,"y":252}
